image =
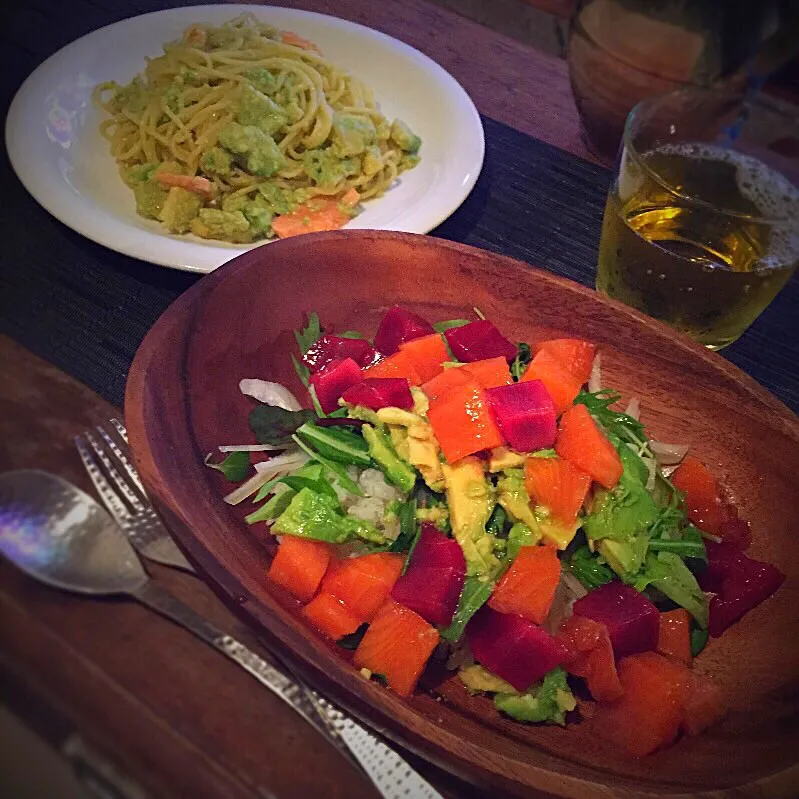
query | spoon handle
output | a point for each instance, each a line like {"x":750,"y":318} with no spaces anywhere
{"x":374,"y":757}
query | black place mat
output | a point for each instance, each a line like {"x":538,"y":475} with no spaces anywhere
{"x":85,"y":308}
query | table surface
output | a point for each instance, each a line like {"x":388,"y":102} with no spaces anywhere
{"x":162,"y":708}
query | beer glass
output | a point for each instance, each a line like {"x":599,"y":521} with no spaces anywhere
{"x":701,"y":226}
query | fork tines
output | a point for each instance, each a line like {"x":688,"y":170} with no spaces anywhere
{"x":104,"y":459}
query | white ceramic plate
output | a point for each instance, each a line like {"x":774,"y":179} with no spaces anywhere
{"x":56,"y":149}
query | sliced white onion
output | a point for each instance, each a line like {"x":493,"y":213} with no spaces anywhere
{"x":264,"y":472}
{"x":634,"y":408}
{"x":668,"y":454}
{"x":595,"y":381}
{"x":651,"y":467}
{"x":573,"y":585}
{"x":288,"y":461}
{"x":269,"y":393}
{"x":250,"y":447}
{"x":568,"y":590}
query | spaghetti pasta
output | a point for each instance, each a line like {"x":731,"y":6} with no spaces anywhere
{"x":242,"y":132}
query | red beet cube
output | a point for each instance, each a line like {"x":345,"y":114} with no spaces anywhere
{"x":739,"y":582}
{"x":513,"y":648}
{"x":478,"y":341}
{"x":632,"y":620}
{"x":433,"y":582}
{"x":380,"y":392}
{"x":398,"y":326}
{"x":525,"y":414}
{"x":333,"y":379}
{"x":329,"y":348}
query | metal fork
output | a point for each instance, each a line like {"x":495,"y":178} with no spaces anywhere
{"x":127,"y":501}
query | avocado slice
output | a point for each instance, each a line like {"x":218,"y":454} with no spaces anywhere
{"x":382,"y":452}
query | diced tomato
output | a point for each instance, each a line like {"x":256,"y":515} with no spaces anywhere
{"x":581,"y":442}
{"x":397,"y":645}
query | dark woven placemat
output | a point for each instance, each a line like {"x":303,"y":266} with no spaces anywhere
{"x":85,"y":308}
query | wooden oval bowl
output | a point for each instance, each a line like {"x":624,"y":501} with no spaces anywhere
{"x":183,"y":400}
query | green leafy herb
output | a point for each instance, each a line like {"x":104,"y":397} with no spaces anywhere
{"x":474,"y":595}
{"x":698,"y":640}
{"x":497,"y":521}
{"x":235,"y":466}
{"x":345,"y":481}
{"x":550,"y":700}
{"x":310,"y":476}
{"x":544,"y":453}
{"x":265,"y":490}
{"x":305,"y":338}
{"x":275,"y":426}
{"x":351,"y":334}
{"x":523,"y":357}
{"x":272,"y":508}
{"x":406,"y":513}
{"x":589,"y":569}
{"x":317,"y":406}
{"x":666,"y":572}
{"x":309,"y":335}
{"x":352,"y":640}
{"x":336,"y":443}
{"x":615,"y":423}
{"x":520,"y":535}
{"x":687,"y":543}
{"x":440,"y":327}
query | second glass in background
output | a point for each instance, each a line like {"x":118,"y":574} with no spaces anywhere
{"x":701,"y":226}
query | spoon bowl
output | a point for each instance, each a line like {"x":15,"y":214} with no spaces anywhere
{"x":58,"y":534}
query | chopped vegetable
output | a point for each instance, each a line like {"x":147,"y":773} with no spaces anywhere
{"x":333,"y":379}
{"x":397,"y":645}
{"x":479,"y":341}
{"x":234,"y":467}
{"x":398,"y":326}
{"x":589,"y":569}
{"x":525,"y":414}
{"x":380,"y":392}
{"x":631,"y":619}
{"x":701,"y":494}
{"x":364,"y":582}
{"x":329,"y":348}
{"x":273,"y":425}
{"x":515,"y":649}
{"x":269,"y":393}
{"x":669,"y":574}
{"x":474,"y":595}
{"x":549,"y":701}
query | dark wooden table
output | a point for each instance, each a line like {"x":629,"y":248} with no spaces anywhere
{"x":156,"y":705}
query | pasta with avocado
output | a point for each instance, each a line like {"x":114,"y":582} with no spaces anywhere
{"x":242,"y":132}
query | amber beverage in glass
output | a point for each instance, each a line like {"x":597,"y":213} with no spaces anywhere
{"x":701,"y":226}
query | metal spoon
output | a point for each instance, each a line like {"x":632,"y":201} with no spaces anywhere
{"x":58,"y":534}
